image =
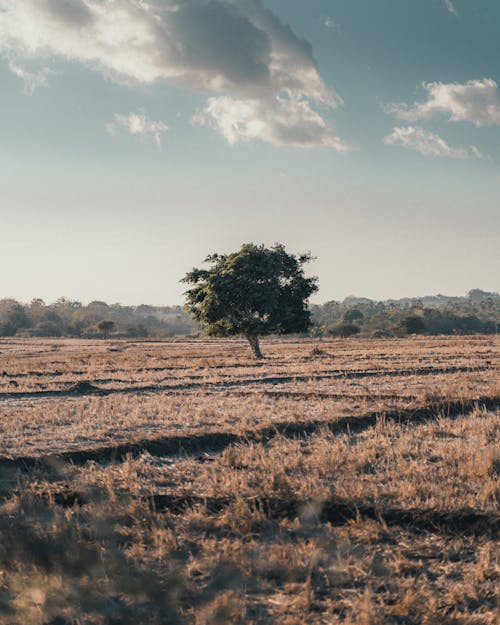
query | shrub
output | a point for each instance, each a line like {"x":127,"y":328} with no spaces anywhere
{"x":344,"y":329}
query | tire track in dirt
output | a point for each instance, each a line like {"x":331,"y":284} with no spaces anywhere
{"x":273,"y":380}
{"x":238,"y":365}
{"x":339,"y":513}
{"x":60,"y":373}
{"x":216,"y":442}
{"x":336,"y":512}
{"x":322,"y":395}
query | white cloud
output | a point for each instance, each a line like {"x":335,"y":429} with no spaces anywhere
{"x":476,"y":101}
{"x":423,"y":141}
{"x":451,"y":7}
{"x":233,"y":48}
{"x":476,"y":153}
{"x":137,"y":124}
{"x":278,"y":121}
{"x":32,"y":80}
{"x":329,"y":23}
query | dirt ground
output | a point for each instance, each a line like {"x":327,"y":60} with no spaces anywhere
{"x":182,"y":481}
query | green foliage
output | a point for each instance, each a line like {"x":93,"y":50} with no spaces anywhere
{"x":253,"y":292}
{"x":70,"y":318}
{"x":477,"y":313}
{"x":414,"y":324}
{"x":13,"y":317}
{"x":106,"y":326}
{"x":344,"y":329}
{"x":478,"y":295}
{"x":47,"y":328}
{"x":353,"y":314}
{"x":135,"y":331}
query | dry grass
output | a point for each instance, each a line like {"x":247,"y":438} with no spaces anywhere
{"x":336,"y":482}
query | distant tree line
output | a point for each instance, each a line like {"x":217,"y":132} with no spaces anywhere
{"x":96,"y":320}
{"x":476,"y":313}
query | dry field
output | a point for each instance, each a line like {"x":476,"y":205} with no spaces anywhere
{"x":341,"y":481}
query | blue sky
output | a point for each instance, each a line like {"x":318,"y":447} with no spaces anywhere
{"x":136,"y":137}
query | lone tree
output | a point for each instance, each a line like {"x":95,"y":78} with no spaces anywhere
{"x":253,"y":292}
{"x":106,"y":327}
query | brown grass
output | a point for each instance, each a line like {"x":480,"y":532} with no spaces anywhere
{"x":195,"y":485}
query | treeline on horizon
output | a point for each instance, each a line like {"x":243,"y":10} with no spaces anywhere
{"x":476,"y":313}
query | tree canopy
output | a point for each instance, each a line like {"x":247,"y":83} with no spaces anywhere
{"x":253,"y":292}
{"x":106,"y":326}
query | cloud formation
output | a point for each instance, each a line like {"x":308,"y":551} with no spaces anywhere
{"x":230,"y":48}
{"x":277,"y":121}
{"x":329,"y":23}
{"x":137,"y":124}
{"x":476,"y":101}
{"x":451,"y":7}
{"x":427,"y":143}
{"x":476,"y":153}
{"x":32,"y":80}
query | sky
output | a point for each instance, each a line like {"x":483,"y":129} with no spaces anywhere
{"x":138,"y":136}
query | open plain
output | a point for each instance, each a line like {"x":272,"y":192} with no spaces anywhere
{"x":182,"y":481}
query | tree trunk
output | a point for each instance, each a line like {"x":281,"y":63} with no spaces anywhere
{"x":253,"y":339}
